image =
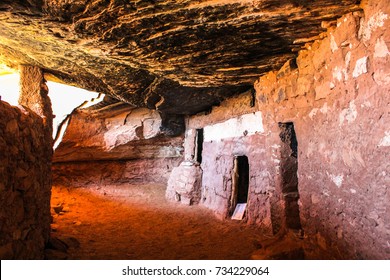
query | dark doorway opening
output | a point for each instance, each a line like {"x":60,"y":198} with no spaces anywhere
{"x":199,"y":144}
{"x":289,"y":174}
{"x":243,"y":179}
{"x":240,"y":182}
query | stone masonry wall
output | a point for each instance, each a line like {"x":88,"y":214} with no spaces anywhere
{"x":337,"y":95}
{"x":25,"y":155}
{"x":232,"y":129}
{"x":184,"y":183}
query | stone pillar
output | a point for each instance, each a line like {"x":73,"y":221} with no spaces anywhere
{"x":185,"y":181}
{"x":34,"y":94}
{"x":189,"y":145}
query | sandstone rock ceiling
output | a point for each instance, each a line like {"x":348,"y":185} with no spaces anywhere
{"x":179,"y":57}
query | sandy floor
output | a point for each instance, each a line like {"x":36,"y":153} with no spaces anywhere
{"x":135,"y":222}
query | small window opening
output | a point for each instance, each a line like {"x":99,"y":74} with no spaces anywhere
{"x":199,"y":144}
{"x":253,"y":98}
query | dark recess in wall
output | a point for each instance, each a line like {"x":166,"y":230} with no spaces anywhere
{"x":289,"y":169}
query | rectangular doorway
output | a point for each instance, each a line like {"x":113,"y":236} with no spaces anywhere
{"x":199,"y":145}
{"x":240,"y":182}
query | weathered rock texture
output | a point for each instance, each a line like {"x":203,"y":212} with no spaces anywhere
{"x":113,"y":173}
{"x":175,"y":56}
{"x":115,"y":146}
{"x":25,"y":183}
{"x":340,"y":115}
{"x":337,"y":96}
{"x":124,"y":134}
{"x":183,"y":57}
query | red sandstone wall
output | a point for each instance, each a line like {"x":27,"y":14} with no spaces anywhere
{"x":78,"y":174}
{"x":116,"y":135}
{"x":338,"y":96}
{"x":25,"y":184}
{"x":341,"y":115}
{"x":116,"y":147}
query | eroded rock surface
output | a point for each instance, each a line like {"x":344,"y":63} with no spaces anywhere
{"x":116,"y":134}
{"x":116,"y":145}
{"x":174,"y":56}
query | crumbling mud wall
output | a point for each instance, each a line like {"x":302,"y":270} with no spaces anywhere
{"x":25,"y":183}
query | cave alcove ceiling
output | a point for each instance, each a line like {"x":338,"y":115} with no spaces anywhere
{"x":179,"y":57}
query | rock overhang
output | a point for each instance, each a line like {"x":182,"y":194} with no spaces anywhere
{"x":179,"y":57}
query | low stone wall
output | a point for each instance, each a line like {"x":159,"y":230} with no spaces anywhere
{"x":25,"y":183}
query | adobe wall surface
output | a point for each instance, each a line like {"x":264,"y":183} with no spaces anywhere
{"x":337,"y":95}
{"x":25,"y":183}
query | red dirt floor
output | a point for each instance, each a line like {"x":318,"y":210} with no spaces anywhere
{"x":136,"y":222}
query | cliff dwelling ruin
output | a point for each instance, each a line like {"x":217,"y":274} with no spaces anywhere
{"x":226,"y":129}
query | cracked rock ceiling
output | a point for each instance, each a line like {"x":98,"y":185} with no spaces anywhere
{"x":179,"y":57}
